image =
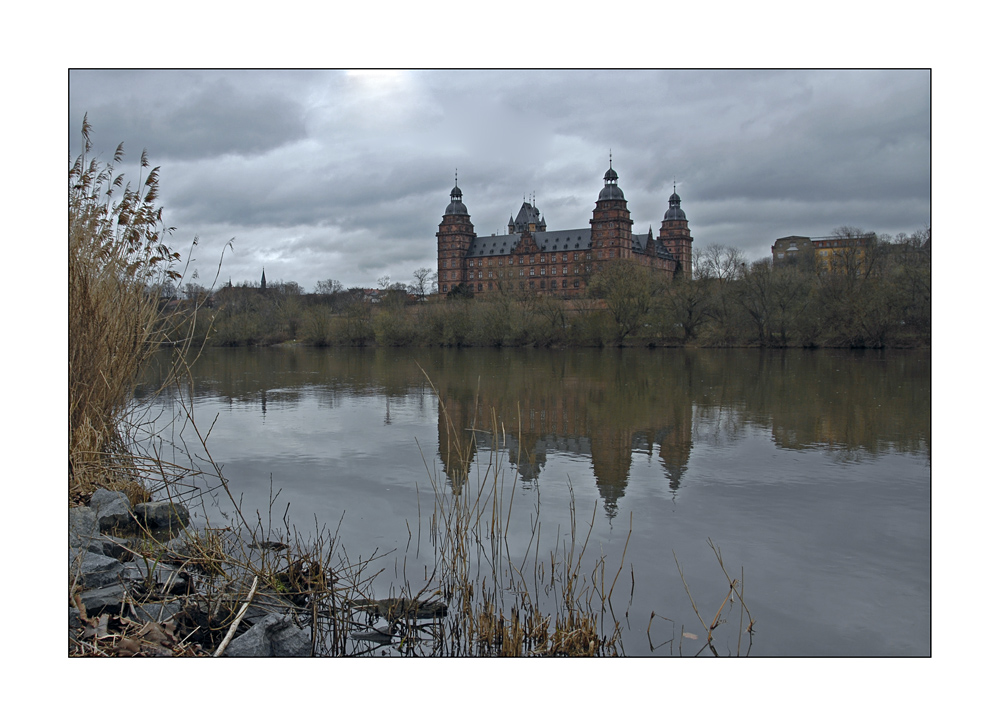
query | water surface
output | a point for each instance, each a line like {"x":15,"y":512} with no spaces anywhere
{"x":810,"y":470}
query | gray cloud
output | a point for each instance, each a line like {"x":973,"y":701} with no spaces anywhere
{"x":331,"y":174}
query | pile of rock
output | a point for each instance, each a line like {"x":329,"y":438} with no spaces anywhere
{"x":106,"y":574}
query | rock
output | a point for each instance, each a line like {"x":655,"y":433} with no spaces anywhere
{"x":181,"y":545}
{"x":378,"y":635}
{"x":82,"y":526}
{"x":112,"y":509}
{"x":152,"y":574}
{"x":114,"y":547}
{"x":106,"y":598}
{"x":162,"y":515}
{"x":92,"y":570}
{"x":159,"y":612}
{"x":274,"y":636}
{"x":398,"y":608}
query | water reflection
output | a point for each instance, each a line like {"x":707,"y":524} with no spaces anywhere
{"x":601,"y":406}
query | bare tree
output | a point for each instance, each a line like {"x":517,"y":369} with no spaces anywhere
{"x":328,"y":287}
{"x":422,"y":281}
{"x":629,"y":290}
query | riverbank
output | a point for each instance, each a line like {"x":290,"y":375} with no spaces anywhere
{"x":884,"y":302}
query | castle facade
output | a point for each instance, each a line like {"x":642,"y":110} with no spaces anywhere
{"x":556,"y":262}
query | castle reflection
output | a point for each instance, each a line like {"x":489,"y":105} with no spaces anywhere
{"x":593,"y":406}
{"x":604,"y":406}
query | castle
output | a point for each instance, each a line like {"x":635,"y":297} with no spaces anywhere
{"x":556,"y":262}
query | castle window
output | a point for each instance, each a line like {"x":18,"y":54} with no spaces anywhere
{"x":553,"y":270}
{"x":565,"y":257}
{"x":532,"y":259}
{"x":588,"y":255}
{"x":576,"y":256}
{"x":565,"y":269}
{"x":553,"y":285}
{"x":564,"y":283}
{"x":522,"y":272}
{"x":600,"y":255}
{"x":532,"y":284}
{"x":521,"y":261}
{"x":480,"y":287}
{"x":532,"y":272}
{"x":480,"y":275}
{"x":444,"y":288}
{"x":576,"y":283}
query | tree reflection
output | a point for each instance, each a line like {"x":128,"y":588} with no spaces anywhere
{"x":605,"y":405}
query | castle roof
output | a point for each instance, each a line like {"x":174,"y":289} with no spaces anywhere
{"x":550,"y":241}
{"x":674,"y":211}
{"x":456,"y":206}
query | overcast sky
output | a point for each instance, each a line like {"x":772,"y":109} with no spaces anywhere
{"x":345,"y":175}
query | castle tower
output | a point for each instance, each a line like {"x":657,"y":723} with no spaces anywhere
{"x":611,"y":222}
{"x":675,"y":234}
{"x":455,"y":235}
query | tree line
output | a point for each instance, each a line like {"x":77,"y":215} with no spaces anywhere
{"x":871,"y":292}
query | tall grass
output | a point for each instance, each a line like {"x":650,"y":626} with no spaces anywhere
{"x":118,"y":258}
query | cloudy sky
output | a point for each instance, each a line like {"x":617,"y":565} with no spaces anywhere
{"x":345,"y":175}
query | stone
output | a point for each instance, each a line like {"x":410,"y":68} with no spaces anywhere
{"x":103,"y":599}
{"x":83,"y":529}
{"x":276,"y":636}
{"x":114,"y":547}
{"x":113,"y":510}
{"x":152,"y":574}
{"x":92,"y":570}
{"x":162,"y":515}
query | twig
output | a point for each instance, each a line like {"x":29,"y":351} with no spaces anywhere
{"x":239,"y":618}
{"x":691,"y":597}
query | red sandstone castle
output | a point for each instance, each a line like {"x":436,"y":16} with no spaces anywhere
{"x":556,"y":262}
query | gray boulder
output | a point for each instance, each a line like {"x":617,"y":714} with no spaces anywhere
{"x":275,"y":636}
{"x":159,"y":612}
{"x":82,"y":526}
{"x":103,"y":599}
{"x":92,"y":570}
{"x":162,"y":515}
{"x":114,"y":547}
{"x":112,"y":509}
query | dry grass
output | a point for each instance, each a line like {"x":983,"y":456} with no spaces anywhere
{"x":118,"y":259}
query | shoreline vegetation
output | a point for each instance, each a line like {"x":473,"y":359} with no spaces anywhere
{"x":874,"y":295}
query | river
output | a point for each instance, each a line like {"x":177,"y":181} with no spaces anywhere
{"x":808,"y":470}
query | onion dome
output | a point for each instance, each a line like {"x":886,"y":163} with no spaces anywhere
{"x":674,"y":211}
{"x":611,"y":190}
{"x":456,"y":206}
